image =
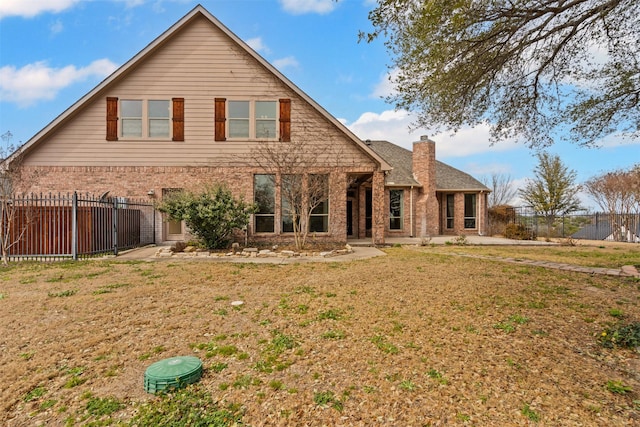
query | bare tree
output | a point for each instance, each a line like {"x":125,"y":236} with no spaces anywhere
{"x":502,"y":190}
{"x":300,"y":169}
{"x":618,"y":194}
{"x":14,"y":218}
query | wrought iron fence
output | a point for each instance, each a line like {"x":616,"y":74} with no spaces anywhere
{"x":71,"y":226}
{"x":617,"y":227}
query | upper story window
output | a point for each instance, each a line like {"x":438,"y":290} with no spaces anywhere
{"x":239,"y":119}
{"x":131,"y":117}
{"x":265,"y":123}
{"x":138,"y":118}
{"x":145,"y":119}
{"x":159,"y":115}
{"x":252,"y":119}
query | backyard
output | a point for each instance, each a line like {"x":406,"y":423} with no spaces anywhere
{"x":418,"y":337}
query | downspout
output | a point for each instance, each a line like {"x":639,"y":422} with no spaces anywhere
{"x":484,"y":211}
{"x":411,"y":212}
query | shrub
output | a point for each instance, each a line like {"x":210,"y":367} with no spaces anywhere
{"x":519,"y":232}
{"x":211,"y":215}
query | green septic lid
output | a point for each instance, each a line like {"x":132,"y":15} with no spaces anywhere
{"x":174,"y":372}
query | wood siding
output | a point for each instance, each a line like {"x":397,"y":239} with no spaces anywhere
{"x":199,"y":63}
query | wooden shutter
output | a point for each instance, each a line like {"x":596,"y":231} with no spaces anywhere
{"x":285,"y":120}
{"x":178,"y":119}
{"x":220,"y":107}
{"x":112,"y":119}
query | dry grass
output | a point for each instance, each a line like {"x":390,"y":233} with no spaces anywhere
{"x":413,"y":338}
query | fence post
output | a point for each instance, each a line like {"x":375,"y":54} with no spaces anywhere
{"x":115,"y":225}
{"x":74,"y":226}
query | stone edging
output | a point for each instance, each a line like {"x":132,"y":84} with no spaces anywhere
{"x":624,"y":271}
{"x":191,"y":252}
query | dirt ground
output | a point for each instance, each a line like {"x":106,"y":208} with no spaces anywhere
{"x":413,"y":338}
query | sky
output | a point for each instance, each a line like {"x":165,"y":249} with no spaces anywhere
{"x":52,"y":52}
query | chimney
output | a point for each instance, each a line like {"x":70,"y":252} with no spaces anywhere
{"x":424,"y":162}
{"x":424,"y":171}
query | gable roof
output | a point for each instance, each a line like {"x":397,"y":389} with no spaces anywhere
{"x":448,"y":178}
{"x":400,"y":160}
{"x":156,"y":44}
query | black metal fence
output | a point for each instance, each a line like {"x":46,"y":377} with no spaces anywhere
{"x":71,"y":226}
{"x":617,"y":227}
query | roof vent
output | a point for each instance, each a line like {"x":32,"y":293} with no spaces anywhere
{"x":424,"y":137}
{"x":367,"y":141}
{"x":175,"y":372}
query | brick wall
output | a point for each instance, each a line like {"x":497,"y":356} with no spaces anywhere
{"x":137,"y":182}
{"x":424,"y":171}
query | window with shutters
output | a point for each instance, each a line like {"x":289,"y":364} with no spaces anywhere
{"x":131,"y":118}
{"x":252,"y":119}
{"x":140,"y":119}
{"x":158,"y":112}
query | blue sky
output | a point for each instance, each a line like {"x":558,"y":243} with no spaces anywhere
{"x":52,"y":52}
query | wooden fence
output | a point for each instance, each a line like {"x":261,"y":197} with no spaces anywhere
{"x":73,"y":226}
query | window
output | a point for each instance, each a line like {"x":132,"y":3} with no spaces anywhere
{"x":469,"y":211}
{"x":264,"y":195}
{"x":158,"y":112}
{"x":450,"y":210}
{"x":290,"y":201}
{"x":396,"y":198}
{"x":252,"y":119}
{"x":265,"y":119}
{"x":131,"y":118}
{"x":238,"y":119}
{"x":318,"y":186}
{"x":137,"y":118}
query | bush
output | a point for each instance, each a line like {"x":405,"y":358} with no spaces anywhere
{"x":211,"y":215}
{"x":519,"y":232}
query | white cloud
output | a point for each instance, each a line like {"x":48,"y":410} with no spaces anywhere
{"x":615,"y":140}
{"x":395,"y":126}
{"x":31,"y":8}
{"x":34,"y":82}
{"x":258,"y":45}
{"x":299,"y":7}
{"x":389,"y":125}
{"x":288,"y":62}
{"x":469,"y":141}
{"x":56,"y":27}
{"x":385,"y":86}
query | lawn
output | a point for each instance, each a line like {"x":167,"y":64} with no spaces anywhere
{"x":417,"y":337}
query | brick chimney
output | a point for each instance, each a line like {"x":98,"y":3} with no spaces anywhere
{"x":424,"y":171}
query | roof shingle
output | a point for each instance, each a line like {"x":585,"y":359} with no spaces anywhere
{"x":448,"y":178}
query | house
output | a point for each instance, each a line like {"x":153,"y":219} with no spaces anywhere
{"x":425,"y":197}
{"x":197,"y":105}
